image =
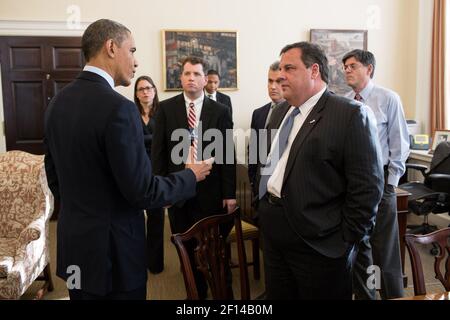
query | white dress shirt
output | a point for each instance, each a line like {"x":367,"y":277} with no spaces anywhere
{"x":211,"y":95}
{"x":276,"y":180}
{"x":198,"y":103}
{"x":391,"y":125}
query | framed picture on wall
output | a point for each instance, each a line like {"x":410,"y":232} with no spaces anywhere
{"x":336,"y":43}
{"x":217,"y":48}
{"x":440,"y":136}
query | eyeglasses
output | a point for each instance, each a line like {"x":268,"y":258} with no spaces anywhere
{"x":352,"y":66}
{"x":141,"y":90}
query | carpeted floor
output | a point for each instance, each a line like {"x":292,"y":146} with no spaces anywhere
{"x":169,"y":284}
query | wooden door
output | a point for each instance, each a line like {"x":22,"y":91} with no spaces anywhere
{"x":33,"y":70}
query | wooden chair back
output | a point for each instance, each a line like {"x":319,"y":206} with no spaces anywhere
{"x":211,"y":255}
{"x":440,"y":239}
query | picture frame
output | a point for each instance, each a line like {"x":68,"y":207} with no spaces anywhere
{"x":336,"y":43}
{"x":219,"y":50}
{"x":440,"y":136}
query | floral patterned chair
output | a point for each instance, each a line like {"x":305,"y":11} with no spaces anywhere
{"x":26,"y":205}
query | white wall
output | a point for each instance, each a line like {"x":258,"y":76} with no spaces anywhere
{"x":264,"y":27}
{"x":423,"y":64}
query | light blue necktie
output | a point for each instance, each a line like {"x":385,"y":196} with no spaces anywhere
{"x":269,"y":167}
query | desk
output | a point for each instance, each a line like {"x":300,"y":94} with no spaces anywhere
{"x":430,"y":296}
{"x":421,"y":155}
{"x":402,"y":212}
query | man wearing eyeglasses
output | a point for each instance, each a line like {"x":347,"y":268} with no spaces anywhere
{"x":382,"y":249}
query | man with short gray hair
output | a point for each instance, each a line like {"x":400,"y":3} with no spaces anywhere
{"x":260,"y":119}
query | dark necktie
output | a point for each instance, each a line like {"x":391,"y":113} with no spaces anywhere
{"x":269,"y":167}
{"x":358,"y":97}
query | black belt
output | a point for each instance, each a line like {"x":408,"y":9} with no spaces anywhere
{"x":274,"y":200}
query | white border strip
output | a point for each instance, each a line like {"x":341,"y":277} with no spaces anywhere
{"x":40,"y":25}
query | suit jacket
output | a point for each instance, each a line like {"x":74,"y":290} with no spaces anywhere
{"x":259,"y":118}
{"x":225,"y":99}
{"x":221,"y":183}
{"x":333,"y":180}
{"x":97,"y":165}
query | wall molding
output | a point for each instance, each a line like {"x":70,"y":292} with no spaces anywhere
{"x":40,"y":27}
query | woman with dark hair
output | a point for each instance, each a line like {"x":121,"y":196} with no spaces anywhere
{"x":146,"y":99}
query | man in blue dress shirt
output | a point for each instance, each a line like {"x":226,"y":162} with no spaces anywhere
{"x":383,"y":249}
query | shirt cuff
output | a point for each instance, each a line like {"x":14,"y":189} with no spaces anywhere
{"x":393,"y":180}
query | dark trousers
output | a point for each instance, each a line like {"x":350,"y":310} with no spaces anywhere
{"x":381,"y":250}
{"x":155,"y":240}
{"x":294,"y":270}
{"x":181,"y":219}
{"x":138,"y":294}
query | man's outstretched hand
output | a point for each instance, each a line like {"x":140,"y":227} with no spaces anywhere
{"x":200,"y":168}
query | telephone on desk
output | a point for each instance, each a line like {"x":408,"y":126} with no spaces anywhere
{"x":419,"y":142}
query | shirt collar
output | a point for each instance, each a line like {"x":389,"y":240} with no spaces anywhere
{"x":102,"y":73}
{"x":311,"y":102}
{"x":365,"y":93}
{"x":197,"y":102}
{"x":211,"y":94}
{"x":273,"y":104}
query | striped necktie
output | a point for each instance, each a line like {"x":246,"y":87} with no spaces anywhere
{"x":192,"y":121}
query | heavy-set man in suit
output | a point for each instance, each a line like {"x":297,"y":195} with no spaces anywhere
{"x":193,"y":113}
{"x":260,"y":119}
{"x":321,"y":184}
{"x":97,"y":166}
{"x":383,"y":247}
{"x":211,"y":87}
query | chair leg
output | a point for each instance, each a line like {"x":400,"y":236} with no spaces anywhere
{"x":48,"y":283}
{"x":255,"y":256}
{"x":48,"y":277}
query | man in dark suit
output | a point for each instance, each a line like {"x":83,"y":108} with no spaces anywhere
{"x":194,"y":114}
{"x":260,"y":119}
{"x":212,"y":84}
{"x":97,"y":166}
{"x":321,"y":184}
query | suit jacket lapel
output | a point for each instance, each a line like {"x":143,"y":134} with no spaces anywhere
{"x":206,"y":114}
{"x":219,"y":97}
{"x":309,"y":124}
{"x":181,"y":113}
{"x":263,"y":116}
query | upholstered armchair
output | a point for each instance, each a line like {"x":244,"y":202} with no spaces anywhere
{"x":26,"y":205}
